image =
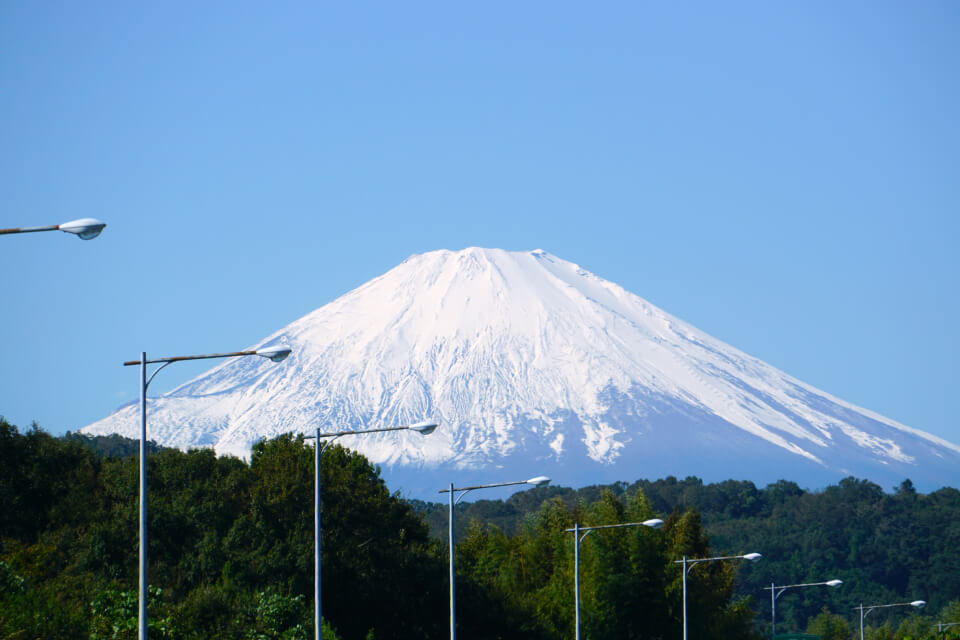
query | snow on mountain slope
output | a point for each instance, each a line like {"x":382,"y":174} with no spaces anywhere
{"x":523,"y":357}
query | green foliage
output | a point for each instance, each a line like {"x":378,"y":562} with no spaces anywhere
{"x":46,"y":483}
{"x":230,"y":544}
{"x":277,"y":617}
{"x":916,"y":628}
{"x":882,"y":632}
{"x":114,"y":615}
{"x":41,"y":611}
{"x":886,"y":547}
{"x":113,"y":445}
{"x":950,"y":613}
{"x":231,"y":551}
{"x":629,"y":585}
{"x":829,"y":626}
{"x":10,"y":583}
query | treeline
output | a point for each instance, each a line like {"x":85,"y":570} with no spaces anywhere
{"x":230,"y":545}
{"x":885,"y":547}
{"x":231,"y":551}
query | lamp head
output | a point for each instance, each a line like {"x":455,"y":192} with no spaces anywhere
{"x":274,"y":354}
{"x":539,"y":481}
{"x":654,"y":523}
{"x":426,"y":428}
{"x":752,"y":557}
{"x":834,"y":583}
{"x":86,"y":228}
{"x":918,"y":603}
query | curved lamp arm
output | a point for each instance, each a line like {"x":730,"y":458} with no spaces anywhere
{"x":539,"y":481}
{"x":274,"y":354}
{"x":779,"y":589}
{"x":653,"y":523}
{"x":84,"y":228}
{"x":692,"y":562}
{"x":916,"y":603}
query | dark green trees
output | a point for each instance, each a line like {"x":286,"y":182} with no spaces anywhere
{"x":230,"y":544}
{"x":231,"y":552}
{"x":629,"y":584}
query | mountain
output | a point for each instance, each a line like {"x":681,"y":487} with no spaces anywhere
{"x":533,"y":365}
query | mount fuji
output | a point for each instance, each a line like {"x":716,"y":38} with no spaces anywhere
{"x":532,"y":365}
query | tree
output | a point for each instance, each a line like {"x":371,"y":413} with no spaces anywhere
{"x":115,"y":615}
{"x":829,"y":626}
{"x":916,"y":627}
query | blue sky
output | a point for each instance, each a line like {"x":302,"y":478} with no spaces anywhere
{"x":784,"y":176}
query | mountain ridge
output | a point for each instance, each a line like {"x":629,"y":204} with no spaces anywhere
{"x":522,"y":356}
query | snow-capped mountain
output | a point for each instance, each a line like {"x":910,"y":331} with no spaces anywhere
{"x":533,"y":365}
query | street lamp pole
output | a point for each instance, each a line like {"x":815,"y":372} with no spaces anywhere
{"x":275,"y":354}
{"x":577,"y":538}
{"x":85,"y":228}
{"x":539,"y":481}
{"x":775,"y":592}
{"x":944,"y":625}
{"x":424,"y":428}
{"x":689,"y":564}
{"x":866,"y":610}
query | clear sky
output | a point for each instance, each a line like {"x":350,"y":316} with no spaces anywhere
{"x":784,"y":176}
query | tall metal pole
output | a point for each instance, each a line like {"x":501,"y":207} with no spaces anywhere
{"x":539,"y":481}
{"x":275,"y":354}
{"x":577,"y":539}
{"x":143,"y":496}
{"x":453,"y":608}
{"x":776,"y":592}
{"x":317,"y":505}
{"x":423,"y":428}
{"x":864,"y":613}
{"x":773,"y":610}
{"x":695,"y":561}
{"x":684,"y":597}
{"x":576,"y":576}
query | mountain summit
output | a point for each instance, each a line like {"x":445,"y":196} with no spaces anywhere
{"x":533,"y":365}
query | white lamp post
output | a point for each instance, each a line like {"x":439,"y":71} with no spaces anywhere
{"x":775,"y":592}
{"x":689,"y":564}
{"x":539,"y":481}
{"x":866,"y":610}
{"x":424,"y":428}
{"x":85,"y":228}
{"x":944,"y":625}
{"x":577,"y":539}
{"x":275,"y":354}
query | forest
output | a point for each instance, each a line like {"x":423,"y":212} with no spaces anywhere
{"x":231,"y":552}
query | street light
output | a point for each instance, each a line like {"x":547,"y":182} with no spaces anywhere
{"x":424,"y":428}
{"x":865,"y":610}
{"x":275,"y":354}
{"x":653,"y":523}
{"x":775,"y":592}
{"x":539,"y":481}
{"x":85,"y":228}
{"x":944,"y":625}
{"x":689,"y":564}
